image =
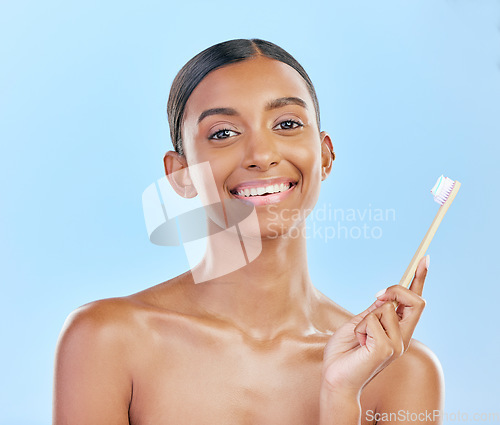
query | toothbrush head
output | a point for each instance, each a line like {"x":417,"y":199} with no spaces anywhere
{"x":442,"y":189}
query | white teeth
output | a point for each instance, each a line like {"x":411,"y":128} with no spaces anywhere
{"x":259,"y":191}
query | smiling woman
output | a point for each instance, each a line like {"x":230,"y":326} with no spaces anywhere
{"x":259,"y":344}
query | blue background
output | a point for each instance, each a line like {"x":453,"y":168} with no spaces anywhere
{"x":408,"y":90}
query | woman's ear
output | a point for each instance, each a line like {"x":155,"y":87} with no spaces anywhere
{"x":327,"y":155}
{"x":177,"y":171}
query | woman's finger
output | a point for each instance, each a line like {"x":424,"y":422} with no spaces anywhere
{"x":410,"y":308}
{"x":403,"y":296}
{"x":417,"y":284}
{"x":388,"y":322}
{"x":371,"y":333}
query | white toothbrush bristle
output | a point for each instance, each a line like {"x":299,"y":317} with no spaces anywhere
{"x":442,"y":189}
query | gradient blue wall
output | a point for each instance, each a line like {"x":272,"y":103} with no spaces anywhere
{"x":408,"y":90}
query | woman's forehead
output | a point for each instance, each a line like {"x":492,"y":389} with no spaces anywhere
{"x":252,"y":82}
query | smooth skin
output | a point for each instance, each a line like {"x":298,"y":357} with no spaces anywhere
{"x":260,"y":345}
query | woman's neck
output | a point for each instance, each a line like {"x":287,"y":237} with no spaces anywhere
{"x":266,"y":297}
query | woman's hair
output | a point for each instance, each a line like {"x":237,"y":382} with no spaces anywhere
{"x":216,"y":57}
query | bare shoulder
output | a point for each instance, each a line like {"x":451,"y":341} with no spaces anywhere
{"x":104,"y":315}
{"x":92,"y":380}
{"x":112,"y":323}
{"x":99,"y":350}
{"x":418,"y":365}
{"x":413,"y":383}
{"x":98,"y":332}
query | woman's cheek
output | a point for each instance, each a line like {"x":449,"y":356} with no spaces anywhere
{"x":309,"y":159}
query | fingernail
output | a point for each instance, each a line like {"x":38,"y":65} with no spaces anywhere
{"x":380,"y":293}
{"x":427,"y":261}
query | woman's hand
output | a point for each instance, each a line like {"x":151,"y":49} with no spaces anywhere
{"x":373,"y":339}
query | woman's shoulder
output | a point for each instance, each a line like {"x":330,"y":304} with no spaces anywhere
{"x":101,"y":347}
{"x":412,"y":382}
{"x":103,"y":313}
{"x":418,"y":364}
{"x":99,"y":328}
{"x":110,"y":316}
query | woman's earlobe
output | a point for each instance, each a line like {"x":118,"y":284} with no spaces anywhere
{"x":327,"y":155}
{"x":177,"y":171}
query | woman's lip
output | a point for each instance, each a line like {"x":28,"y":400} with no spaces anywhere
{"x":253,"y":184}
{"x":270,"y":198}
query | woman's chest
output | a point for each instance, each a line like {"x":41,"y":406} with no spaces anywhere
{"x":204,"y":380}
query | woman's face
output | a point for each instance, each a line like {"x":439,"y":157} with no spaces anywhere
{"x":254,"y":122}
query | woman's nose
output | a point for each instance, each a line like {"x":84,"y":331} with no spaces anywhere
{"x":261,"y":152}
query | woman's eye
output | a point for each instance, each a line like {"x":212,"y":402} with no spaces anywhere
{"x":222,"y":134}
{"x":288,"y":125}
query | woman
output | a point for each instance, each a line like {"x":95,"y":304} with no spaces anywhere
{"x":256,"y":344}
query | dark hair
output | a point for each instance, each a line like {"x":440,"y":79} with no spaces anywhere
{"x":215,"y":57}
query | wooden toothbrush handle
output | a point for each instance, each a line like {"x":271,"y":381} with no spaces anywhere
{"x":410,"y":271}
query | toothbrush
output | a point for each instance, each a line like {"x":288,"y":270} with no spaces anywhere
{"x":444,"y":192}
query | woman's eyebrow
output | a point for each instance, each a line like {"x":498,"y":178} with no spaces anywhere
{"x":284,"y":101}
{"x":273,"y":104}
{"x":217,"y":111}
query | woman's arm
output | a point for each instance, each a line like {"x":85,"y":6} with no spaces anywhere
{"x":92,"y":383}
{"x":338,"y":408}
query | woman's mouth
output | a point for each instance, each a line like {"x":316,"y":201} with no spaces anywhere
{"x":264,"y":193}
